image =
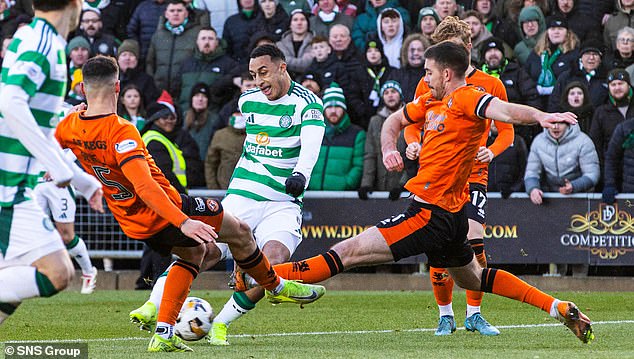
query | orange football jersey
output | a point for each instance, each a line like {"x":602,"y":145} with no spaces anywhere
{"x":103,"y":144}
{"x":495,"y":87}
{"x":453,"y":129}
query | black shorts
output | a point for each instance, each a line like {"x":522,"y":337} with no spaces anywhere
{"x":477,"y":205}
{"x":204,"y":209}
{"x":429,"y":229}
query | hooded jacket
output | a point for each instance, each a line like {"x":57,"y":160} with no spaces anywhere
{"x":392,"y":48}
{"x":584,"y":112}
{"x":526,"y":45}
{"x":572,"y":157}
{"x":365,"y":23}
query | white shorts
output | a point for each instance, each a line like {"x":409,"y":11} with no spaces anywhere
{"x":269,"y":221}
{"x":26,"y":235}
{"x":59,"y":202}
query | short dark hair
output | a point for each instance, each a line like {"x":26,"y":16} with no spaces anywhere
{"x":450,"y":55}
{"x":99,"y":70}
{"x":176,"y":2}
{"x":270,"y":50}
{"x":50,"y":5}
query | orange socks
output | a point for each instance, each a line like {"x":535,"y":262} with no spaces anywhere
{"x":507,"y":285}
{"x":179,"y":280}
{"x":442,"y":284}
{"x":312,"y":270}
{"x":258,"y":267}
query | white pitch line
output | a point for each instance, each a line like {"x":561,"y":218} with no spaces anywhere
{"x":350,"y":332}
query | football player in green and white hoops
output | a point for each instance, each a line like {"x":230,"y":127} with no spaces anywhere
{"x":285,"y":127}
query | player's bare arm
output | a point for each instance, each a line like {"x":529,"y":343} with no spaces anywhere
{"x":391,"y":128}
{"x":499,"y":110}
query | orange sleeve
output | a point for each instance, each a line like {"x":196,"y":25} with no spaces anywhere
{"x":421,"y":88}
{"x":412,"y":133}
{"x":506,"y":136}
{"x":137,"y":172}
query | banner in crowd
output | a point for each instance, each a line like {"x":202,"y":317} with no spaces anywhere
{"x":562,"y":230}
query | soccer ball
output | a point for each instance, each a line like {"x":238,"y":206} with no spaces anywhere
{"x":194,"y":319}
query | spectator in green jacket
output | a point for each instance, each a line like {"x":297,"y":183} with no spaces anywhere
{"x":340,"y":163}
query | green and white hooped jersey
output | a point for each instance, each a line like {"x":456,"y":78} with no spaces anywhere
{"x":36,"y":62}
{"x":272,"y":146}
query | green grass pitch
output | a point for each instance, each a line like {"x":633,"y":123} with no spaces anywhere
{"x":341,"y":325}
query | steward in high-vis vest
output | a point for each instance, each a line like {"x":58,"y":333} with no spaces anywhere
{"x":172,"y":148}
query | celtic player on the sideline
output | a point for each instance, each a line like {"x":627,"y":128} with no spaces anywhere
{"x":33,"y":260}
{"x":285,"y":127}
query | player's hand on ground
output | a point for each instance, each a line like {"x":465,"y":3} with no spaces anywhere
{"x":484,"y":155}
{"x":550,"y":119}
{"x":412,"y":151}
{"x":198,"y":231}
{"x":537,"y":196}
{"x":96,"y":201}
{"x":393,"y":161}
{"x":566,"y":188}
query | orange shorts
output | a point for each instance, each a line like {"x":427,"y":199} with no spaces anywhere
{"x":203,"y":209}
{"x":429,"y":229}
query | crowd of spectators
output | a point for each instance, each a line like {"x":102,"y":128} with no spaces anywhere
{"x":184,"y":64}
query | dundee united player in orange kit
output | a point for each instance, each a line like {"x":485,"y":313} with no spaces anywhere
{"x":435,"y":223}
{"x":148,"y":208}
{"x":457,"y":31}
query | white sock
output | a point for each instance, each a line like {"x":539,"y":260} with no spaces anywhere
{"x":446,"y":310}
{"x":165,"y":330}
{"x":18,"y":283}
{"x":80,"y":253}
{"x":279,"y":287}
{"x":231,"y":311}
{"x":157,"y":291}
{"x":554,"y":312}
{"x":471,"y":310}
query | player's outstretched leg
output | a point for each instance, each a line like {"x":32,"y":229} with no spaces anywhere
{"x":252,"y":261}
{"x":442,"y":286}
{"x":507,"y":285}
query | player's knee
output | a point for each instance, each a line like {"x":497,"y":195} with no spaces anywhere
{"x":59,"y":274}
{"x":243,"y":232}
{"x":212,"y":257}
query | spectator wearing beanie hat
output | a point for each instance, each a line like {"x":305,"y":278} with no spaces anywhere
{"x":78,"y":52}
{"x":589,"y":71}
{"x":427,"y":22}
{"x":91,"y":27}
{"x":554,"y":53}
{"x":200,"y":121}
{"x":173,"y":149}
{"x":131,"y":73}
{"x":532,"y":23}
{"x":375,"y":176}
{"x":340,"y":163}
{"x":374,"y":72}
{"x":619,"y":107}
{"x":312,"y":81}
